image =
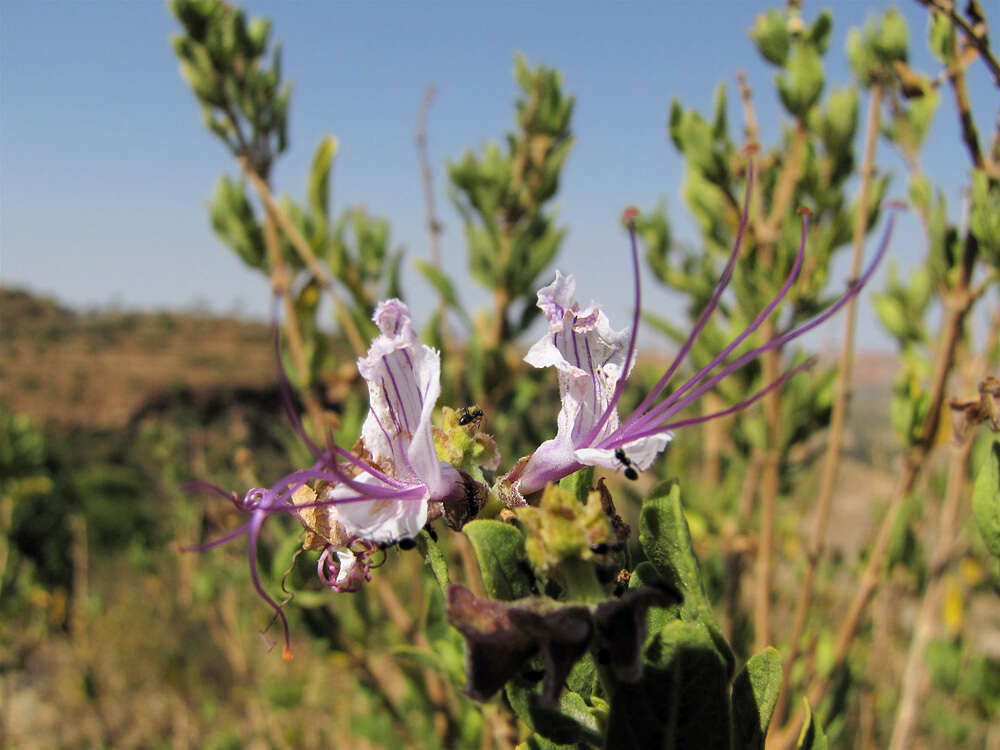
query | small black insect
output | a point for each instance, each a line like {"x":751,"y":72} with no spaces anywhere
{"x":630,"y":472}
{"x":470,"y":415}
{"x":601,"y":548}
{"x":406,"y":543}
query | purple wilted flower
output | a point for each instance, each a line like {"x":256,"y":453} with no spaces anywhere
{"x":366,"y":504}
{"x":593,"y":362}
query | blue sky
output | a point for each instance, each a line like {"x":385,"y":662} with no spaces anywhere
{"x":105,"y":168}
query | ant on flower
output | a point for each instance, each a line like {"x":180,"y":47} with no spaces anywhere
{"x":630,"y":472}
{"x":470,"y":415}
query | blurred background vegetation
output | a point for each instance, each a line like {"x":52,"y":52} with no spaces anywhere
{"x":832,"y":520}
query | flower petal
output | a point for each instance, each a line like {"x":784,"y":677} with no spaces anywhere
{"x":404,"y":382}
{"x":640,"y":453}
{"x":590,"y":359}
{"x":382,"y":521}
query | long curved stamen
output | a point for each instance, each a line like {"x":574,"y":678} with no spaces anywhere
{"x":200,"y":485}
{"x":853,"y":289}
{"x":351,"y":458}
{"x":713,"y":302}
{"x":217,"y":542}
{"x":778,"y":383}
{"x":620,"y":385}
{"x":259,"y":517}
{"x":299,"y":478}
{"x":415,"y":493}
{"x":651,"y":416}
{"x":287,"y":400}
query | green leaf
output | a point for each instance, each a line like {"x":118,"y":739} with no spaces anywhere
{"x":840,"y":120}
{"x":801,"y":88}
{"x":579,"y":483}
{"x":890,"y":41}
{"x":941,"y":38}
{"x":770,"y":33}
{"x":920,"y":192}
{"x":986,"y":500}
{"x":819,"y":32}
{"x":860,"y":56}
{"x":666,"y":540}
{"x":434,"y":559}
{"x":984,"y":216}
{"x":319,"y":176}
{"x":811,"y":737}
{"x":645,"y":574}
{"x":499,"y":549}
{"x":755,"y":693}
{"x":720,"y":126}
{"x":572,"y":722}
{"x":443,"y":285}
{"x":682,"y":699}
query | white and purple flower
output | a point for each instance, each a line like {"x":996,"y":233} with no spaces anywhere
{"x":364,"y":505}
{"x":593,"y":362}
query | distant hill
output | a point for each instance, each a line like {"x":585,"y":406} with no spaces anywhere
{"x":99,"y":369}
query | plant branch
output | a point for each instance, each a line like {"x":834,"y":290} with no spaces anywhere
{"x":433,"y":224}
{"x":769,"y":496}
{"x":976,"y":38}
{"x":784,"y":191}
{"x":956,"y":76}
{"x":279,"y":284}
{"x":913,"y":676}
{"x":913,"y":465}
{"x":301,"y":245}
{"x":827,"y":482}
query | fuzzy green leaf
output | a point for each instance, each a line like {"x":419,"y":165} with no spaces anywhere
{"x":811,"y":737}
{"x":319,"y":176}
{"x":571,"y":722}
{"x":986,"y":500}
{"x":755,"y":694}
{"x":579,"y":483}
{"x":434,"y":559}
{"x":499,"y":550}
{"x":771,"y":35}
{"x":984,"y":216}
{"x":682,"y":699}
{"x":666,"y":540}
{"x":801,"y":88}
{"x":443,"y":285}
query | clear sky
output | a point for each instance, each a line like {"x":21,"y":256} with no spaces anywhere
{"x":105,"y":168}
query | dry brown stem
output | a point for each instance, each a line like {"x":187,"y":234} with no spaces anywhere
{"x":769,"y":496}
{"x":427,"y":178}
{"x":279,"y":282}
{"x":913,"y":680}
{"x":956,"y":312}
{"x":976,"y":38}
{"x":818,"y":537}
{"x":301,"y":245}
